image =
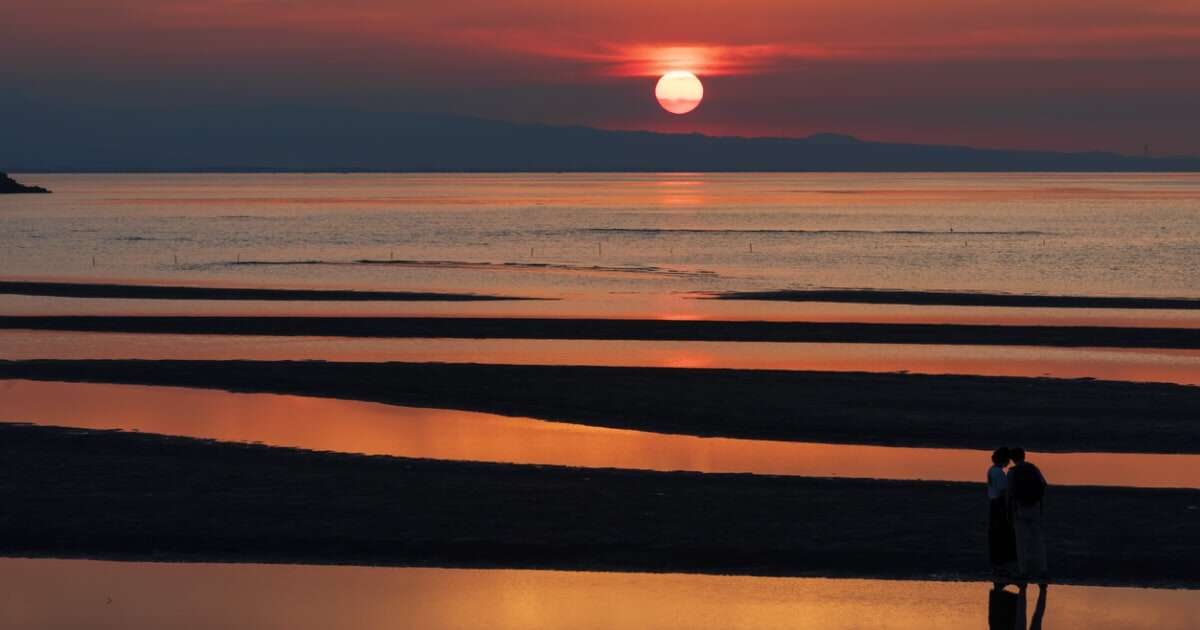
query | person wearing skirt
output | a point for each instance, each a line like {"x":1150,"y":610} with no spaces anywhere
{"x":1002,"y":542}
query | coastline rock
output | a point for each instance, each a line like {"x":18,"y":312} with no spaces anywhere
{"x":10,"y":186}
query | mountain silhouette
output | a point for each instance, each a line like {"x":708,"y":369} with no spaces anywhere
{"x":309,"y":139}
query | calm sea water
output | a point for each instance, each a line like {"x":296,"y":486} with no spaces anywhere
{"x":604,"y":234}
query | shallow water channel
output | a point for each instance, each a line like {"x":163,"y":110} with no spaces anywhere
{"x":49,"y":594}
{"x":1166,"y":366}
{"x":373,"y":428}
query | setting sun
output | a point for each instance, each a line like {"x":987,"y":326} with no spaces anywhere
{"x":370,"y":288}
{"x":679,"y":92}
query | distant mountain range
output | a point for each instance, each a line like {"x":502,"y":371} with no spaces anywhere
{"x":290,"y":139}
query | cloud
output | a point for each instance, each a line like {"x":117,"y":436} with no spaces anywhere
{"x":651,"y":60}
{"x":1070,"y":73}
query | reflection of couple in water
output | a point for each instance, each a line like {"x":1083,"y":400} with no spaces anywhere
{"x":1007,"y":610}
{"x":1016,"y":546}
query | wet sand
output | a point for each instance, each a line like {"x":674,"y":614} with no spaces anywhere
{"x":1049,"y":415}
{"x":156,"y":595}
{"x":139,"y":496}
{"x":351,"y":426}
{"x":627,"y":329}
{"x":961,"y":298}
{"x":161,"y":292}
{"x":1112,"y":364}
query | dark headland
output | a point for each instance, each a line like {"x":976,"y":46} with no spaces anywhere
{"x":129,"y":496}
{"x":9,"y":186}
{"x":1052,"y":415}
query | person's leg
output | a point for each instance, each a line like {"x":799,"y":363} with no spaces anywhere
{"x":1025,"y":546}
{"x":997,"y":521}
{"x":1038,"y":548}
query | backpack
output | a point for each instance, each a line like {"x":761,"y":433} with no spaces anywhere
{"x":1025,"y":484}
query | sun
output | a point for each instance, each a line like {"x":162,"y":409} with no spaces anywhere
{"x":679,"y":92}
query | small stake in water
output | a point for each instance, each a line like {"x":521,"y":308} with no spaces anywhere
{"x":531,"y":252}
{"x":176,"y":260}
{"x":392,"y":255}
{"x":93,"y":261}
{"x":751,"y":248}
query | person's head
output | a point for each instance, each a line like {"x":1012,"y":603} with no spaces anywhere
{"x":1017,"y":454}
{"x":1000,"y":456}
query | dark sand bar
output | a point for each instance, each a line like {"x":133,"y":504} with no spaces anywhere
{"x":960,"y":298}
{"x":140,"y":496}
{"x":629,"y":329}
{"x":888,"y":409}
{"x":159,"y":292}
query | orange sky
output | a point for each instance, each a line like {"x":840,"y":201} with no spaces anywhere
{"x":1073,"y":74}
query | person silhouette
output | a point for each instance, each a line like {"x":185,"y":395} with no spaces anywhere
{"x":1002,"y":544}
{"x":1026,"y":490}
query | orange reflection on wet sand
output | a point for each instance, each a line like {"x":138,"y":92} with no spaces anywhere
{"x":1164,"y":366}
{"x":351,"y":426}
{"x":651,"y":305}
{"x":45,"y":594}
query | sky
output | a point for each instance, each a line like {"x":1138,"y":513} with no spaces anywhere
{"x":1055,"y":74}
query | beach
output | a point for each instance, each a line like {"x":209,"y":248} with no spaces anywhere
{"x":599,"y":315}
{"x":141,"y":497}
{"x":624,"y":329}
{"x":490,"y":373}
{"x":839,"y":407}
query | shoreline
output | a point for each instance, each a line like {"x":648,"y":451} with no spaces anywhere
{"x":165,"y":292}
{"x":133,"y":496}
{"x":959,"y":298}
{"x":885,"y":409}
{"x":621,"y":329}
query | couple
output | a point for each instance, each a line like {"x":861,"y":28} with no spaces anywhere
{"x":1015,"y":524}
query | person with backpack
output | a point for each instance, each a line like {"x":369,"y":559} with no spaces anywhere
{"x":1026,"y":490}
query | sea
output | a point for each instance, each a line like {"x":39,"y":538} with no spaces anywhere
{"x":612,"y":234}
{"x":588,"y":245}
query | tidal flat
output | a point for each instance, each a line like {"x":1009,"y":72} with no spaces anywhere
{"x":131,"y":496}
{"x":887,"y":409}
